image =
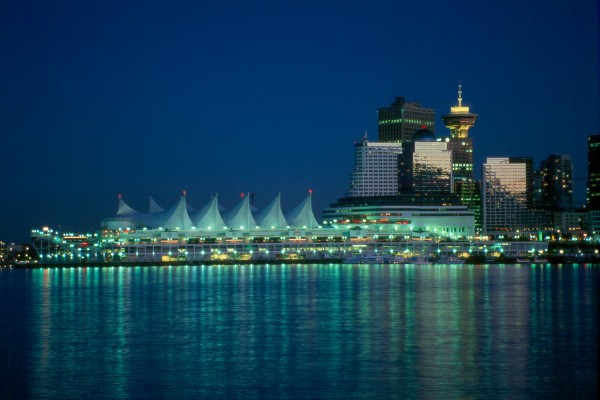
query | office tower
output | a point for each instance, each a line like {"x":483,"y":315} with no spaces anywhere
{"x":469,"y":192}
{"x":375,"y":169}
{"x":459,"y":121}
{"x":593,"y":186}
{"x":401,"y":119}
{"x":556,"y":179}
{"x":504,"y":194}
{"x":529,"y":177}
{"x":425,"y":165}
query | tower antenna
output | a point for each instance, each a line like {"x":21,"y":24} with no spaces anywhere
{"x":459,"y":94}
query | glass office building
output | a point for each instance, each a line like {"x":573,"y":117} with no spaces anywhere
{"x":504,"y":194}
{"x":398,"y":122}
{"x":425,"y":165}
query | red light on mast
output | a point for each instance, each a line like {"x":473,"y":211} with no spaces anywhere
{"x":120,"y":196}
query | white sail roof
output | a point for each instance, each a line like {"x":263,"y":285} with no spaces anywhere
{"x":154,"y":207}
{"x":271,"y":217}
{"x":124,"y":210}
{"x":240,"y":216}
{"x":209,"y":217}
{"x":302,"y":216}
{"x":175,"y":217}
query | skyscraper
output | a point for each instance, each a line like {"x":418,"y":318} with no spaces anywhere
{"x":375,"y":169}
{"x":425,"y":165}
{"x":593,"y":186}
{"x":401,"y":119}
{"x":504,"y":194}
{"x":459,"y":121}
{"x":469,"y":193}
{"x":529,"y":177}
{"x":556,"y":176}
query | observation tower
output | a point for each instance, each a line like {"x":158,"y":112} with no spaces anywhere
{"x":460,"y":120}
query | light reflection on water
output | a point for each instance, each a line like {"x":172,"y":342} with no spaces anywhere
{"x":301,"y":331}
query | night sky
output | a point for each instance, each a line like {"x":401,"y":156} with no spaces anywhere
{"x":149,"y":98}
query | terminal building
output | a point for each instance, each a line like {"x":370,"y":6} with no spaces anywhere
{"x":405,"y":225}
{"x":411,"y":216}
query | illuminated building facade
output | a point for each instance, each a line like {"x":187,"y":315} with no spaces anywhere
{"x":375,"y":169}
{"x":469,"y":192}
{"x":556,"y":179}
{"x":425,"y":165}
{"x":398,"y":122}
{"x":504,"y":194}
{"x":180,"y":234}
{"x":414,"y":215}
{"x":593,"y":185}
{"x":460,"y":121}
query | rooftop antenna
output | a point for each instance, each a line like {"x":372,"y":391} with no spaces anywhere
{"x":459,"y":94}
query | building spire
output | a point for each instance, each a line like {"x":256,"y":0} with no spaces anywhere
{"x":459,"y":94}
{"x":365,"y":138}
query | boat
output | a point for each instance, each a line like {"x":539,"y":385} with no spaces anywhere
{"x":523,"y":261}
{"x":398,"y":260}
{"x":450,"y":260}
{"x":351,"y":259}
{"x":540,"y":260}
{"x":366,"y":258}
{"x":418,"y":260}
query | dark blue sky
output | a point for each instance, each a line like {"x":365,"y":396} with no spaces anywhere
{"x":149,"y":98}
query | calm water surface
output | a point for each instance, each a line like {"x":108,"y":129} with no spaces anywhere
{"x":300,"y":332}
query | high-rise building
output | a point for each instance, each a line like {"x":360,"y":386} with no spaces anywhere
{"x":401,"y":119}
{"x":375,"y":169}
{"x":459,"y":121}
{"x":556,"y":179}
{"x":529,"y":177}
{"x":593,"y":186}
{"x":504,"y":194}
{"x":425,"y":165}
{"x":469,"y":192}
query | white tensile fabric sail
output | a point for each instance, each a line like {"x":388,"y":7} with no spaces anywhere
{"x":271,"y":217}
{"x":125,"y":211}
{"x":240,"y":216}
{"x":154,"y":207}
{"x":175,"y":217}
{"x":208,"y":217}
{"x":302,"y":216}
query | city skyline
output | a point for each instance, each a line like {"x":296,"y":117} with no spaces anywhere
{"x":101,"y":99}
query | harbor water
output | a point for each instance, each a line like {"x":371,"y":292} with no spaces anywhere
{"x":311,"y":331}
